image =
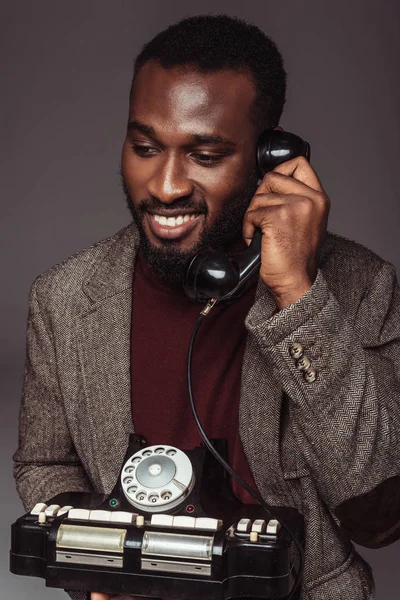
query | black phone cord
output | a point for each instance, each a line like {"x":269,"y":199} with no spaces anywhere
{"x":227,"y":467}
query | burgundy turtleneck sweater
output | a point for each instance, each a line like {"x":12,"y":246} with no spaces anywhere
{"x":163,"y":319}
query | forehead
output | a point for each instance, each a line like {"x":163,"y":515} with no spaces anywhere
{"x":185,"y":99}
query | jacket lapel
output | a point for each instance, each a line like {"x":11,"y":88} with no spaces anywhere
{"x":103,"y":335}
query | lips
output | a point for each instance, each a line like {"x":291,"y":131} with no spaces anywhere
{"x":174,"y":227}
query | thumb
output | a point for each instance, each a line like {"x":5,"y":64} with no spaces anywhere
{"x":98,"y":596}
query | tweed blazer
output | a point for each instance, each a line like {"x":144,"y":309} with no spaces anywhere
{"x":310,"y":445}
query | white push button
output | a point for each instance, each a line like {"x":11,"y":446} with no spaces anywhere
{"x":163,"y":520}
{"x":64,"y":510}
{"x":273,"y":527}
{"x":38,"y":508}
{"x":207,"y":523}
{"x":79,"y":513}
{"x":120,"y":516}
{"x":259,"y":526}
{"x":100,"y":515}
{"x":183,"y":521}
{"x":52,"y":510}
{"x":244,"y":526}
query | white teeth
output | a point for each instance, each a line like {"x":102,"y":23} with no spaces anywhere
{"x":173,"y":221}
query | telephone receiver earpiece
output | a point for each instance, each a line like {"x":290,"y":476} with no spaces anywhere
{"x":275,"y":147}
{"x":214,"y":274}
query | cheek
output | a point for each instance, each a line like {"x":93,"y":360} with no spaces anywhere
{"x":133,"y":174}
{"x":127,"y":164}
{"x":226,"y":188}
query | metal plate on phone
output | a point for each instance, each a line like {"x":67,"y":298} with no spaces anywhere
{"x":172,"y":566}
{"x":85,"y":558}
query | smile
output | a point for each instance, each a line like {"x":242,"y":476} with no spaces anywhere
{"x":176,"y":227}
{"x":173,"y":221}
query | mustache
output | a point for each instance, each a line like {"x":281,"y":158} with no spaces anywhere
{"x":187,"y":204}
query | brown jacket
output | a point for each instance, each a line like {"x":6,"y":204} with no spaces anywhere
{"x":322,"y":447}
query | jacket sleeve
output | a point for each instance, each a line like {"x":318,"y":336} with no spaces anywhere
{"x":347,"y":421}
{"x":45,"y":463}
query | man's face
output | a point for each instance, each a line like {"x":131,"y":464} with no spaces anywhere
{"x":188,"y":161}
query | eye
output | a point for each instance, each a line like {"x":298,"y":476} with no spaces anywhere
{"x":208,"y":159}
{"x":143,"y":151}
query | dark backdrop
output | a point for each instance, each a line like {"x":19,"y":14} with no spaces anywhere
{"x":66,"y":69}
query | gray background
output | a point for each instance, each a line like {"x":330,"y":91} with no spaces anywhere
{"x":66,"y":69}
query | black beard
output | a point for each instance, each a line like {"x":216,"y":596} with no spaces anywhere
{"x":169,"y":262}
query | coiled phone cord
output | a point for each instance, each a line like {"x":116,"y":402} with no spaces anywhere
{"x":221,"y":460}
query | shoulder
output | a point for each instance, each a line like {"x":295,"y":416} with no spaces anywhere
{"x":340,"y":255}
{"x":65,"y":280}
{"x":352,"y":270}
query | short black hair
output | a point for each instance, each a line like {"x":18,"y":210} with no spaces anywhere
{"x":217,"y":42}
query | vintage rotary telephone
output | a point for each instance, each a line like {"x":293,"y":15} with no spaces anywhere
{"x":213,"y":274}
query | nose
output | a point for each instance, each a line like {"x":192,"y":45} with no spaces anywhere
{"x":169,"y":181}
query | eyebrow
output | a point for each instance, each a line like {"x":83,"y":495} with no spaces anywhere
{"x":141,"y":127}
{"x":199,"y":138}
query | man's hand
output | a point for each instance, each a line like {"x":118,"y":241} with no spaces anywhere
{"x":291,"y":209}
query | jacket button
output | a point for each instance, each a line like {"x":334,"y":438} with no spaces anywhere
{"x":303,"y":363}
{"x":310,"y":374}
{"x":296,"y":350}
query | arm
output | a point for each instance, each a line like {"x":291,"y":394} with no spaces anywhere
{"x":46,"y":463}
{"x":347,"y":422}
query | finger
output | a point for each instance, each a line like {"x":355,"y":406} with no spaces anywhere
{"x":300,"y":169}
{"x":99,"y":596}
{"x":254,"y":219}
{"x":280,"y":183}
{"x":248,"y":232}
{"x":272,"y":210}
{"x":262,"y":200}
{"x":259,"y":201}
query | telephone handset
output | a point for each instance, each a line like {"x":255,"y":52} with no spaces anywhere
{"x":213,"y":274}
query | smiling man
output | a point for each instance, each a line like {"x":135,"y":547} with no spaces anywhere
{"x":299,"y":374}
{"x":188,"y":161}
